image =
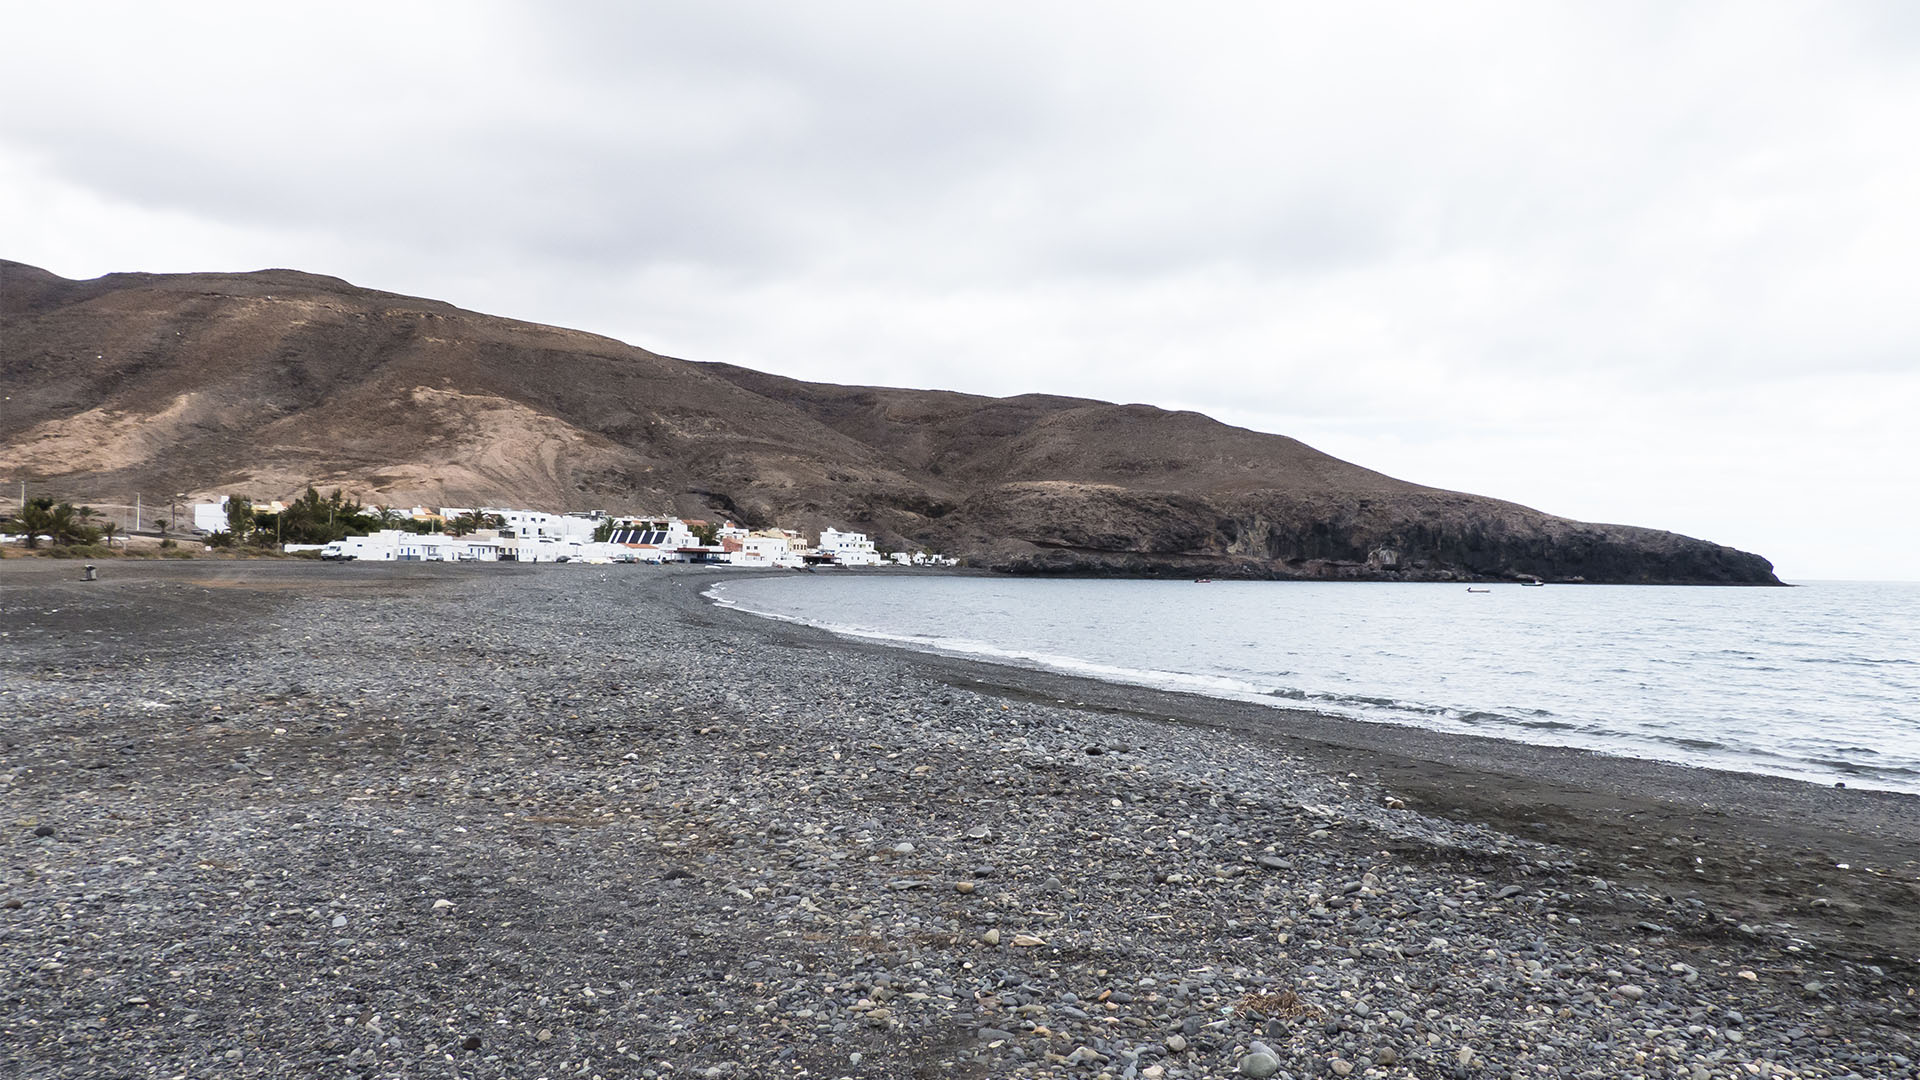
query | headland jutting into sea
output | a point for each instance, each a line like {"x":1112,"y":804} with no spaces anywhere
{"x":280,"y":818}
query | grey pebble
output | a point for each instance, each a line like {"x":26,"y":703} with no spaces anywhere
{"x":676,"y":842}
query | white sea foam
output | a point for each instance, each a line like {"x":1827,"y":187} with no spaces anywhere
{"x":1809,"y":683}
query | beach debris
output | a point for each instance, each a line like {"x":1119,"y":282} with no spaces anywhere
{"x":1285,"y":1005}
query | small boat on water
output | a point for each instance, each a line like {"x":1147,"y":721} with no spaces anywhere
{"x":1533,"y":583}
{"x":1472,"y":589}
{"x":1203,"y":581}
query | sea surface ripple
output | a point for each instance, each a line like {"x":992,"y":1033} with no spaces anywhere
{"x":1820,"y":682}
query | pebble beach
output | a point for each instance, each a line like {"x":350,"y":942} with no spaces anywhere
{"x":282,"y":818}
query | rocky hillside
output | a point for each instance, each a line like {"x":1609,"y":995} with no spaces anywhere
{"x":260,"y":383}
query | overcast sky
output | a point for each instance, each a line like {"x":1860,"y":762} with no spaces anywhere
{"x":1645,"y":263}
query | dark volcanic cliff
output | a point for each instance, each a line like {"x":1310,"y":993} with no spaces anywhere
{"x":261,"y":383}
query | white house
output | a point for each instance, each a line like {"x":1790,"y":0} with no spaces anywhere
{"x":212,"y":517}
{"x":395,"y":545}
{"x":544,"y":549}
{"x":922,"y":558}
{"x":770,"y":548}
{"x":382,"y":546}
{"x":656,"y":539}
{"x":486,"y":545}
{"x":848,"y":548}
{"x":540,"y":525}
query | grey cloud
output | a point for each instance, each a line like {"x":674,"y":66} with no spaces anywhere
{"x":1483,"y":222}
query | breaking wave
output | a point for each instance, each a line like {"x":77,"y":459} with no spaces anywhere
{"x":1669,"y":674}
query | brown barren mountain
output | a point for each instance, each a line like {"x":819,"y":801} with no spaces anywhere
{"x":261,"y":383}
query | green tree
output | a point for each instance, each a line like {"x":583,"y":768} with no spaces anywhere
{"x":603,"y":532}
{"x":240,"y":519}
{"x":306,"y":520}
{"x":60,"y":523}
{"x":345,"y":515}
{"x":708,"y":534}
{"x":311,"y":519}
{"x":36,"y":521}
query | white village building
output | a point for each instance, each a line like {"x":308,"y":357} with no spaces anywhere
{"x":848,"y":548}
{"x":540,"y":525}
{"x":655,"y":539}
{"x":537,"y":536}
{"x":485,"y":545}
{"x":395,"y":545}
{"x":769,"y":548}
{"x":212,"y":517}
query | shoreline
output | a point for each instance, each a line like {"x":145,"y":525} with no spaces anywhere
{"x":1839,"y":779}
{"x":1617,"y":810}
{"x":406,"y":819}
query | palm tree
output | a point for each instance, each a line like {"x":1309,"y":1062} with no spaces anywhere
{"x":61,"y":523}
{"x":36,"y":520}
{"x":474,"y":520}
{"x":76,"y":524}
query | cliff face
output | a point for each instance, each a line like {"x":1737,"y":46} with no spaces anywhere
{"x":262,"y":383}
{"x":1417,"y":537}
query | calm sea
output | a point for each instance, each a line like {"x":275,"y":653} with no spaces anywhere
{"x":1820,"y":682}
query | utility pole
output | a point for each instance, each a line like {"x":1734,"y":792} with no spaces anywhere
{"x":136,"y":511}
